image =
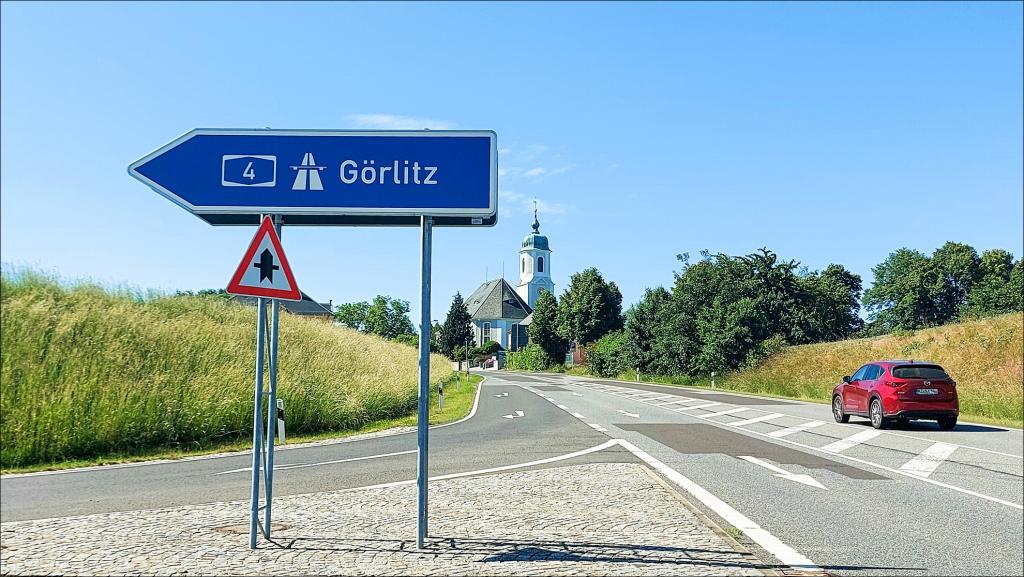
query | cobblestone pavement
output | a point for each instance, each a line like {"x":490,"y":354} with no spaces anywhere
{"x":595,"y":519}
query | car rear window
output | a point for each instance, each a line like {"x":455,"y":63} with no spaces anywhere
{"x":920,"y":372}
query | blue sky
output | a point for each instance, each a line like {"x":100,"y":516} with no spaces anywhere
{"x":826,"y":132}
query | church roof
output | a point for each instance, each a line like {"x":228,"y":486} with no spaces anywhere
{"x":496,"y":299}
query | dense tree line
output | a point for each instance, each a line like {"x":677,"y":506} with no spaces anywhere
{"x":726,"y":312}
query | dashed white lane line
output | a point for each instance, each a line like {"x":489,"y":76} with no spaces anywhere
{"x":769,"y":542}
{"x":925,"y":464}
{"x":790,"y":430}
{"x":767,"y":417}
{"x":598,"y":428}
{"x":728,"y":412}
{"x":851,"y":441}
{"x":702,"y":406}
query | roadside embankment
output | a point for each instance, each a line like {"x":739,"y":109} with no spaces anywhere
{"x":89,"y":373}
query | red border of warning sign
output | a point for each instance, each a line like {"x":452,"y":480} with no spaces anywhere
{"x":235,"y":288}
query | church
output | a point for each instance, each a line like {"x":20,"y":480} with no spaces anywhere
{"x":501,"y":313}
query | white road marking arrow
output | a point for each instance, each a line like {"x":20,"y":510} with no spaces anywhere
{"x":515,"y":415}
{"x":779,"y":472}
{"x":635,"y":415}
{"x":502,"y":395}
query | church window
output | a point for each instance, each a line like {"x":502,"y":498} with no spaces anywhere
{"x":540,"y":264}
{"x":487,"y":332}
{"x":524,"y":265}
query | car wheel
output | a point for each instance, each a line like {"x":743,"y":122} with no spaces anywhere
{"x":947,"y":423}
{"x":877,"y":420}
{"x":837,"y":410}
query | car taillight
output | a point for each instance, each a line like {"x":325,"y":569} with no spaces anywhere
{"x":895,"y":384}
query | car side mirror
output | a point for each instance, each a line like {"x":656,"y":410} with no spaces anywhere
{"x":846,"y":379}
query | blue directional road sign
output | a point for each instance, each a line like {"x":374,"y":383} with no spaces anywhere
{"x":231,"y":177}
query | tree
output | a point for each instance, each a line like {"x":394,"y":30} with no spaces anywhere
{"x":589,"y":308}
{"x":652,"y":343}
{"x":902,"y":296}
{"x":388,"y":317}
{"x":457,"y":328}
{"x":352,"y":315}
{"x":543,"y":331}
{"x":834,"y":304}
{"x":956,"y":266}
{"x":998,"y":288}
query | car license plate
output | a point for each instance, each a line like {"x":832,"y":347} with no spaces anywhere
{"x":927,"y":391}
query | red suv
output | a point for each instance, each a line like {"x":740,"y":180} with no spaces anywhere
{"x":886,"y":391}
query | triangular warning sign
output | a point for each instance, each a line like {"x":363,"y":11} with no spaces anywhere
{"x":264,"y":270}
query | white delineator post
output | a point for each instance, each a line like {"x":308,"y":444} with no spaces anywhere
{"x":423,"y":413}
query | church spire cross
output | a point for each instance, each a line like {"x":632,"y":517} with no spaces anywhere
{"x":536,"y":223}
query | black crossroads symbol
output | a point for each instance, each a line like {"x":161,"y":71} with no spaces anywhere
{"x":266,"y":265}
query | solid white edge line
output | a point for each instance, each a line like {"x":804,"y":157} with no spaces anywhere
{"x":578,"y":416}
{"x":766,"y":540}
{"x":476,"y":403}
{"x":333,"y":462}
{"x":594,"y":449}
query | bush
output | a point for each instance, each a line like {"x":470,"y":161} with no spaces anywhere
{"x":529,"y":358}
{"x":606,"y":356}
{"x":767,"y":348}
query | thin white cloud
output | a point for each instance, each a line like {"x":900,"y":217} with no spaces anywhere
{"x":518,"y":203}
{"x":397,"y":122}
{"x":533,"y":161}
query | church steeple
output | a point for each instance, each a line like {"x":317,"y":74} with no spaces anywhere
{"x":534,"y":264}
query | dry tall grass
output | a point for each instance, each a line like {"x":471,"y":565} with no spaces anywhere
{"x":86,"y":371}
{"x":985,"y":357}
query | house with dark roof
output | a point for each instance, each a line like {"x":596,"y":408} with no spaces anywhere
{"x":307,"y":307}
{"x":498,"y":311}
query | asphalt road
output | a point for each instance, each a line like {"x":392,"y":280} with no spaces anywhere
{"x":915,"y":501}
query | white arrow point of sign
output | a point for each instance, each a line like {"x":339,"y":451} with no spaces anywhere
{"x":635,"y":415}
{"x":784,"y":474}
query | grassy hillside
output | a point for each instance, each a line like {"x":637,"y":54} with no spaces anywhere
{"x":86,"y":371}
{"x":986,"y":357}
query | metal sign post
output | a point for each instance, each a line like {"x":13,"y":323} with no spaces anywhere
{"x":423,"y":413}
{"x":257,"y":423}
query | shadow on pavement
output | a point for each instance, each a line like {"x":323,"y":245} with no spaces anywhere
{"x":526,"y":550}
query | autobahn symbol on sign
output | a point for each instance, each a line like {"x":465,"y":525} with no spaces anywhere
{"x":264,"y":270}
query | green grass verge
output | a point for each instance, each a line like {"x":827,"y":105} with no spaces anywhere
{"x":457,"y":404}
{"x":87,"y":371}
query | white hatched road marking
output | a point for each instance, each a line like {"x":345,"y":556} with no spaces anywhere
{"x":767,"y":417}
{"x":728,"y":412}
{"x":801,"y":427}
{"x":598,"y":427}
{"x":851,"y":441}
{"x":676,"y":402}
{"x":811,"y":424}
{"x":925,"y":464}
{"x":704,"y":406}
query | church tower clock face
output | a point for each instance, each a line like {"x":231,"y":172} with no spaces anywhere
{"x":534,"y":264}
